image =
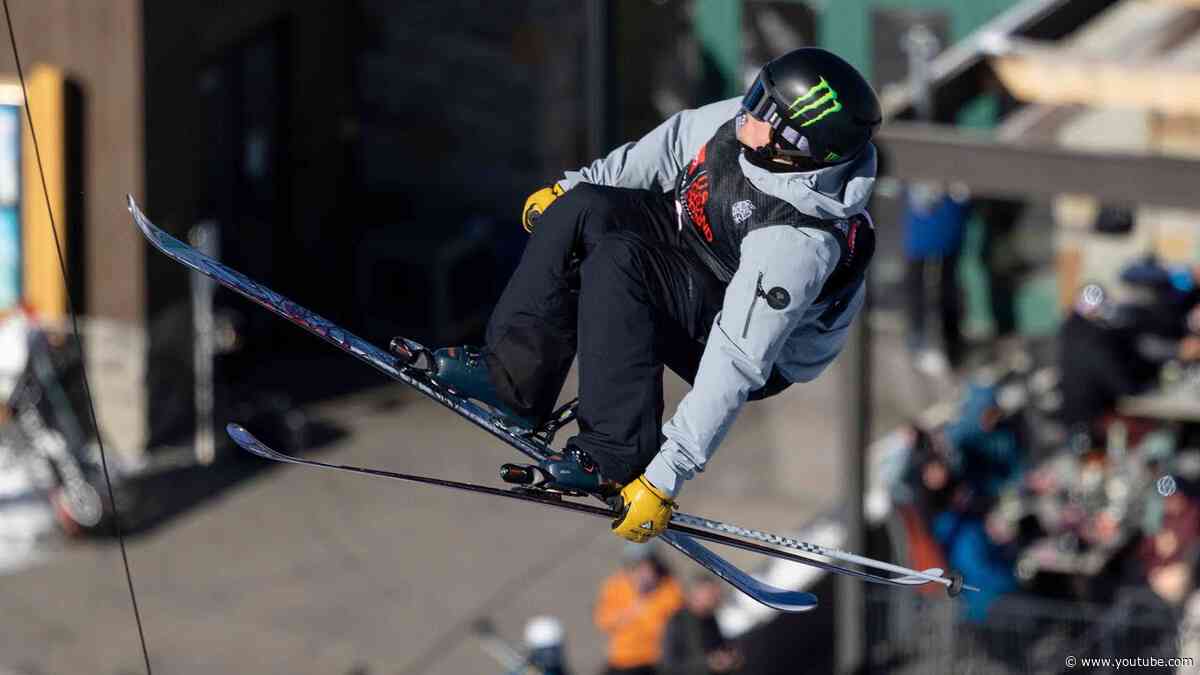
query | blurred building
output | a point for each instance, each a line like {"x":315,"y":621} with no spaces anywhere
{"x":84,"y":72}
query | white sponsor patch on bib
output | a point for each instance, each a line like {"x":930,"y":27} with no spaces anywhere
{"x":742,"y":210}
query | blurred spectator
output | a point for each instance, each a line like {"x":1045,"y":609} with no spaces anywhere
{"x":971,"y":550}
{"x":15,"y":325}
{"x":1114,"y":220}
{"x":987,"y":443}
{"x":1171,"y":309}
{"x":920,"y":492}
{"x":952,"y":480}
{"x":1109,"y":350}
{"x":693,"y":644}
{"x":1189,"y":629}
{"x":1098,"y":358}
{"x":926,"y":483}
{"x":542,"y":653}
{"x":1001,"y":261}
{"x":633,"y":608}
{"x":544,"y":644}
{"x":934,"y":221}
{"x":1169,"y":555}
{"x":1177,"y":280}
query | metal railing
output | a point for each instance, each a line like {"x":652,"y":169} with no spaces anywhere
{"x":915,"y":633}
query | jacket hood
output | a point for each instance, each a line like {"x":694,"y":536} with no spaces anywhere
{"x":838,"y":191}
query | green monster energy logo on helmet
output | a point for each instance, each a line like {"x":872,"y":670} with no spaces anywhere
{"x":821,"y":99}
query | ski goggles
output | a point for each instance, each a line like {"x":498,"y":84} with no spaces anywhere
{"x":760,"y":105}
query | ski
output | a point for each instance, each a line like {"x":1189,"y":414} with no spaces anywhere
{"x":679,"y":536}
{"x":525,"y":441}
{"x":384,"y":362}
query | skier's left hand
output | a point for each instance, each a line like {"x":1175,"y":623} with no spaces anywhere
{"x":538,"y":202}
{"x":645,"y":511}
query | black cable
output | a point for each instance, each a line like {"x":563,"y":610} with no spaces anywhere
{"x":78,"y":344}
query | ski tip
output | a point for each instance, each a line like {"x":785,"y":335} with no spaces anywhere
{"x":247,"y":441}
{"x":143,"y":223}
{"x":779,"y":599}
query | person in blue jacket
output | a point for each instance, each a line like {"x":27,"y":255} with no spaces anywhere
{"x":934,"y":225}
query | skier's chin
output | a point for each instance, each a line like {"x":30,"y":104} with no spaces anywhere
{"x":763,"y":158}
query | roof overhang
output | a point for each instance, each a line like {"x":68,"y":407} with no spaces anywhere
{"x":1005,"y":162}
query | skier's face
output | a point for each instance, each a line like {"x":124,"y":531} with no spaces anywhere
{"x":753,"y":133}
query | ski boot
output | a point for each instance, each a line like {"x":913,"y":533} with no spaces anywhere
{"x":572,"y":472}
{"x":463,"y":371}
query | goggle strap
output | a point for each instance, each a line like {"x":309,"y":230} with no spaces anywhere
{"x":771,"y":116}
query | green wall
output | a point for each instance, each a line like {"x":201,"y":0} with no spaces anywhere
{"x":717,"y":28}
{"x":844,"y":26}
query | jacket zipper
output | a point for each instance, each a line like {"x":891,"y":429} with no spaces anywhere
{"x":699,"y":247}
{"x":758,"y":293}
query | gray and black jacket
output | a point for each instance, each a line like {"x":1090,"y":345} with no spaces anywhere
{"x":776,"y":238}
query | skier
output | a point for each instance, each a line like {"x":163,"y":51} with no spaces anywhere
{"x":729,"y":244}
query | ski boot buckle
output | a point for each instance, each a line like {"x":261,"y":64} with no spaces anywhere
{"x":533,"y":479}
{"x":412,"y":354}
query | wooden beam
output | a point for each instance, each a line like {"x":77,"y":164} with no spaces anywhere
{"x":930,"y":152}
{"x":959,"y":72}
{"x":1177,"y":3}
{"x":1037,"y":123}
{"x":1051,"y":75}
{"x":1132,"y":31}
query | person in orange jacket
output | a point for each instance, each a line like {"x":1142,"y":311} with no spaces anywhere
{"x":633,"y":608}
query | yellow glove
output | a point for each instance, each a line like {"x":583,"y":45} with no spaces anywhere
{"x":537,"y":203}
{"x":645,"y":513}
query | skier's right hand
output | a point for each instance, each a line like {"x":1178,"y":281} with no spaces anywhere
{"x":645,"y":511}
{"x":537,"y":203}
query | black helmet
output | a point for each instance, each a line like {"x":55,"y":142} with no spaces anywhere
{"x":819,"y":107}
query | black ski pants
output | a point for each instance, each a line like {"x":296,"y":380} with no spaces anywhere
{"x":606,"y":276}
